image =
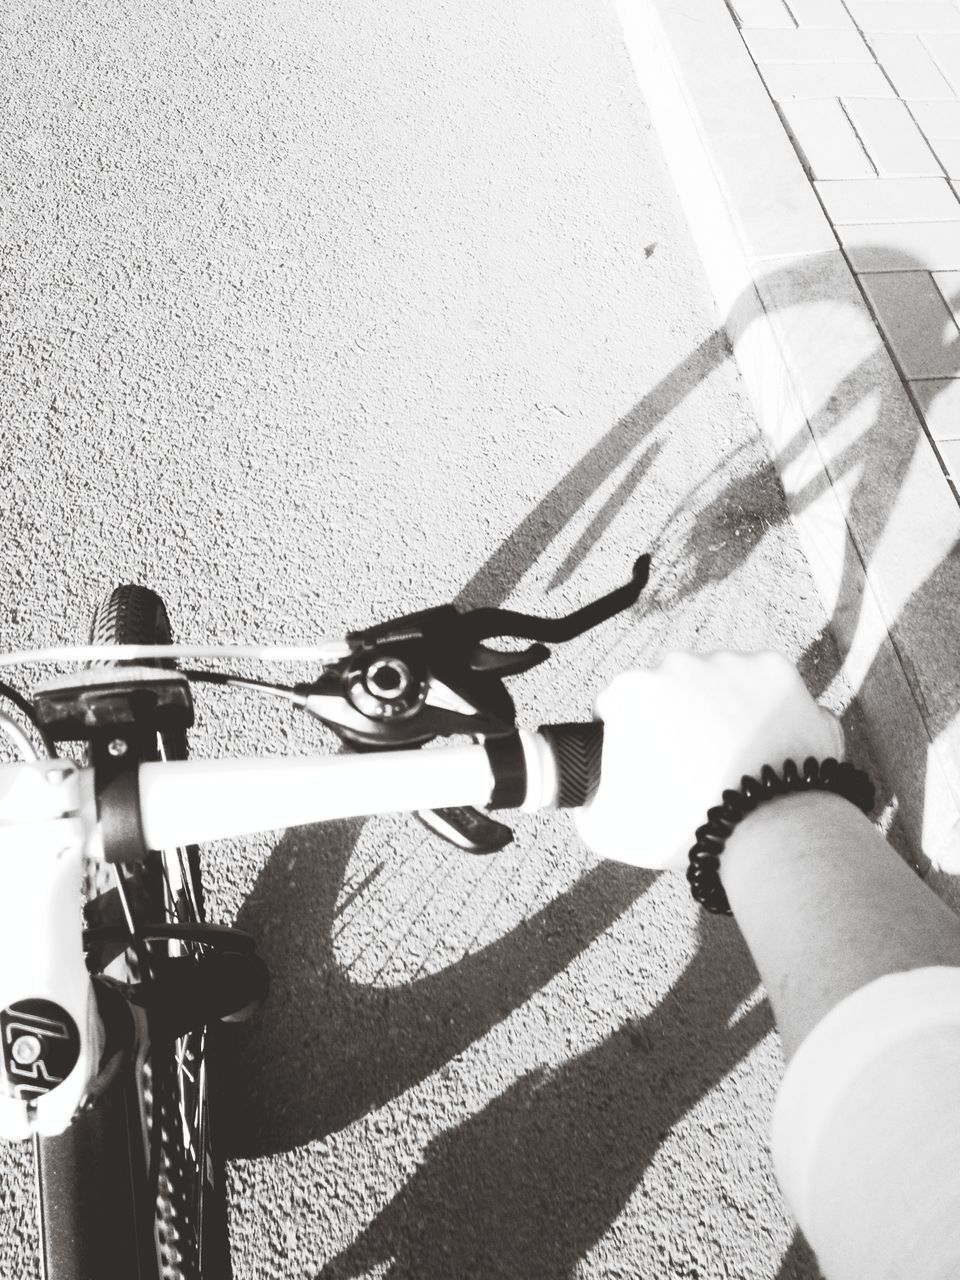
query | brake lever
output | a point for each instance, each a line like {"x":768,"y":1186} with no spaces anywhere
{"x":427,"y":674}
{"x":486,"y":623}
{"x":506,"y":662}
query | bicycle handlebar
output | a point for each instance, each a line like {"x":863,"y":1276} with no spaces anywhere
{"x":193,"y":801}
{"x":49,"y":819}
{"x":390,"y":692}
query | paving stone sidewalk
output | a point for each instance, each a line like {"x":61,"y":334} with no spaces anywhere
{"x":869,"y":91}
{"x":815,"y":147}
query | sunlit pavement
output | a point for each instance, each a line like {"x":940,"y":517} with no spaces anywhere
{"x":312,"y":317}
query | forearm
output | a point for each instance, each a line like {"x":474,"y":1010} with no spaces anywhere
{"x":862,"y":966}
{"x":826,"y":906}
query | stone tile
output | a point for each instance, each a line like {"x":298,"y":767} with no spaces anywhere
{"x":948,"y":282}
{"x":825,"y":80}
{"x":762,"y":13}
{"x":912,"y":71}
{"x":937,"y":119}
{"x":945,"y":51}
{"x":891,"y":137}
{"x":829,"y":14}
{"x":949,"y":451}
{"x":902,"y":246}
{"x":905,"y":15}
{"x":916,"y":322}
{"x":947,"y":151}
{"x":939,"y":401}
{"x":889,"y":200}
{"x":821,"y":323}
{"x":826,"y":139}
{"x":723,"y":128}
{"x":809,"y":44}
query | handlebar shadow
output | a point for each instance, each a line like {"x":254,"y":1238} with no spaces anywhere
{"x":327,"y":1049}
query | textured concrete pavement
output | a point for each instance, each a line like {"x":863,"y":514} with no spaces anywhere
{"x":310,"y":316}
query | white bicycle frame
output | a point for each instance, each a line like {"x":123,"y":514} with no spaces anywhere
{"x":49,"y":823}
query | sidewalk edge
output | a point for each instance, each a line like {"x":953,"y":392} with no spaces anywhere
{"x":741,"y":252}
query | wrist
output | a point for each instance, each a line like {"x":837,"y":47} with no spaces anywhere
{"x":792,"y":823}
{"x":846,"y":783}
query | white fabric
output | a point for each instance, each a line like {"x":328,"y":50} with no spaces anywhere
{"x":866,"y":1131}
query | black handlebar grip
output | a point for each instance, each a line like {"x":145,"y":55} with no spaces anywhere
{"x":578,"y":749}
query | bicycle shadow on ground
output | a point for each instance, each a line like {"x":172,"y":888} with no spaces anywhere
{"x":299,"y":1083}
{"x":526,"y":1187}
{"x":872,"y":463}
{"x":327,"y":1049}
{"x":530,"y":1183}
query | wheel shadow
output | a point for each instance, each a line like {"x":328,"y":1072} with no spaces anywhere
{"x":529,"y":1184}
{"x":326,"y":1049}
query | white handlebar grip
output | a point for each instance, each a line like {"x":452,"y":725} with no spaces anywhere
{"x":48,"y":1036}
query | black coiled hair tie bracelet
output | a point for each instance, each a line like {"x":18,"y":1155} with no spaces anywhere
{"x":703,"y":872}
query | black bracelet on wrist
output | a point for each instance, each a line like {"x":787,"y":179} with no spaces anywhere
{"x":826,"y":775}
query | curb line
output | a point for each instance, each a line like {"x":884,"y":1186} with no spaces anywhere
{"x":867,"y":494}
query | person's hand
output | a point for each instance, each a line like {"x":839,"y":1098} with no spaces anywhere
{"x":675,"y":737}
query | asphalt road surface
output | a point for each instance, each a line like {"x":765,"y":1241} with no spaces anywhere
{"x":314,"y":314}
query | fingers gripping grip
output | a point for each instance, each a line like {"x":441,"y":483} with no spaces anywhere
{"x":577,"y":749}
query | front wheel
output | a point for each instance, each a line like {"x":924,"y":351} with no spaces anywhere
{"x":149,"y":1137}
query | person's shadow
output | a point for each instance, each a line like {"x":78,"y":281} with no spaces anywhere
{"x":529,"y":1184}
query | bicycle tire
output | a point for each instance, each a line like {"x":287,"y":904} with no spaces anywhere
{"x":167,"y":1121}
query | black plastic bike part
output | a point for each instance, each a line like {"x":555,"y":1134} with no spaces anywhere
{"x":703,"y":871}
{"x":227,"y":983}
{"x":577,"y":749}
{"x":222,"y":937}
{"x":107,"y":934}
{"x":467,"y":829}
{"x":442,"y":680}
{"x":187,"y":993}
{"x":121,"y":823}
{"x":75,"y":706}
{"x":509,"y":767}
